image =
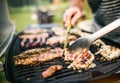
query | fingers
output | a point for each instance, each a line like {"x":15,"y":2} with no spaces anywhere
{"x":71,"y":15}
{"x":67,"y":16}
{"x":76,"y":17}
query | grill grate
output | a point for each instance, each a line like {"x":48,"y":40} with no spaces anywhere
{"x":32,"y":74}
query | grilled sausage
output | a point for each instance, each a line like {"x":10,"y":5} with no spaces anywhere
{"x":51,"y":70}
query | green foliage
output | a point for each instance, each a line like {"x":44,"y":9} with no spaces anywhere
{"x":20,"y":3}
{"x":21,"y":17}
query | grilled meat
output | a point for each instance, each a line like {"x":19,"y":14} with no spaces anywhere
{"x":80,"y":60}
{"x":98,"y":43}
{"x":35,"y":31}
{"x":109,"y":52}
{"x":34,"y":51}
{"x":59,"y":31}
{"x":95,"y":47}
{"x":33,"y":36}
{"x":72,"y":38}
{"x":51,"y":70}
{"x":76,"y":31}
{"x":23,"y":42}
{"x":33,"y":42}
{"x":37,"y":42}
{"x":30,"y":52}
{"x":55,"y":39}
{"x":43,"y":42}
{"x":39,"y":57}
{"x":59,"y":39}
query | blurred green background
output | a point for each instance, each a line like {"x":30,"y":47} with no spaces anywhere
{"x":22,"y":12}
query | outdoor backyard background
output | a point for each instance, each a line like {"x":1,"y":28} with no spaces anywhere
{"x":21,"y":12}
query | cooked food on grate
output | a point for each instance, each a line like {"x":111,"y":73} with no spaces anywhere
{"x":35,"y":31}
{"x":98,"y":43}
{"x":29,"y":59}
{"x":109,"y":52}
{"x":79,"y":60}
{"x":59,"y":31}
{"x":59,"y":39}
{"x":33,"y":42}
{"x":76,"y":31}
{"x":42,"y":37}
{"x":51,"y":70}
{"x":33,"y":51}
{"x":95,"y":47}
{"x":55,"y":39}
{"x":33,"y":36}
{"x":72,"y":38}
{"x":82,"y":59}
{"x":22,"y":44}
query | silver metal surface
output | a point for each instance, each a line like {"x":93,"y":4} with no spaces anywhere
{"x":6,"y":36}
{"x":7,"y":28}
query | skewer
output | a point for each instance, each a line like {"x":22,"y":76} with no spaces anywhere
{"x":67,"y":36}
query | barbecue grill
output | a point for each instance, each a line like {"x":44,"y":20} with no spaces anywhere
{"x":32,"y":74}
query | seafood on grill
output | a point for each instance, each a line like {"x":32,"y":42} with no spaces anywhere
{"x":79,"y":60}
{"x":51,"y":70}
{"x":39,"y":57}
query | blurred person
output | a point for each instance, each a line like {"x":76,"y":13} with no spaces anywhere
{"x":104,"y":12}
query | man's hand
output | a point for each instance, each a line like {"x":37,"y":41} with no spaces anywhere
{"x":73,"y":14}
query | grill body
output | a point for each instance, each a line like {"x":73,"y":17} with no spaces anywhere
{"x":32,"y":74}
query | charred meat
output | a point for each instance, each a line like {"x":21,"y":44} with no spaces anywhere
{"x":33,"y":40}
{"x":80,"y":60}
{"x":40,"y":57}
{"x":26,"y":43}
{"x":109,"y":52}
{"x":51,"y":70}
